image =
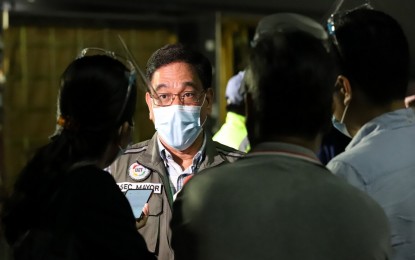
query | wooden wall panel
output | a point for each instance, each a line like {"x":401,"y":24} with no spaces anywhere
{"x":35,"y":57}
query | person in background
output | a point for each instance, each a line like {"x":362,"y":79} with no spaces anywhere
{"x":233,"y":132}
{"x":369,"y":107}
{"x":279,"y":201}
{"x":179,"y":99}
{"x":63,"y":205}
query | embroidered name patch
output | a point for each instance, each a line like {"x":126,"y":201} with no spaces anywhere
{"x":124,"y":186}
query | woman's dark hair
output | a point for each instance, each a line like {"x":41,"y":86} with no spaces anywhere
{"x":93,"y":103}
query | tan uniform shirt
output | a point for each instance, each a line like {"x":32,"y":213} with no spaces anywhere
{"x":142,"y":167}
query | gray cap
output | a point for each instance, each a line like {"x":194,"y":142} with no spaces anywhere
{"x":234,"y":93}
{"x":285,"y":22}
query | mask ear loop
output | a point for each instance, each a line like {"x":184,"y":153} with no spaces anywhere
{"x":344,"y":113}
{"x":204,"y":121}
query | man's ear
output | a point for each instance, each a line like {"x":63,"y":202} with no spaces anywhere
{"x":345,"y":88}
{"x":150,"y":106}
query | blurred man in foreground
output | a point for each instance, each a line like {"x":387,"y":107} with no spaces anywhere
{"x":279,"y":201}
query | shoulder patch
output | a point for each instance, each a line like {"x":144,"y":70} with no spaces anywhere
{"x":137,"y":148}
{"x":138,"y":172}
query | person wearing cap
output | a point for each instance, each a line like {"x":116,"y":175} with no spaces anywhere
{"x":333,"y":141}
{"x":279,"y":201}
{"x":369,"y":107}
{"x":233,"y":132}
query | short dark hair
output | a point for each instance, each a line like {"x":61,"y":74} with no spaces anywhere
{"x":179,"y":53}
{"x":291,"y":78}
{"x":374,"y":54}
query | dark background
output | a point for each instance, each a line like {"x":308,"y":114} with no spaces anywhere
{"x":156,"y":12}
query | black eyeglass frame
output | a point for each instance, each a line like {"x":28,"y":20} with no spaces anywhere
{"x":155,"y":97}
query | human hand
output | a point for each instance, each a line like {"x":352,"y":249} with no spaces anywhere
{"x":141,"y":222}
{"x":410,"y":101}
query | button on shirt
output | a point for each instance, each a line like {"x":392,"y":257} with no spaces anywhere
{"x":174,"y":170}
{"x":380,"y":160}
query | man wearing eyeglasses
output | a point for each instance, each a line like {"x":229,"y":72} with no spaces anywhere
{"x":179,"y":99}
{"x":369,"y":107}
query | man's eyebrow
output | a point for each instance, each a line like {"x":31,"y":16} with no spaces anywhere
{"x":184,"y":84}
{"x":160,"y":86}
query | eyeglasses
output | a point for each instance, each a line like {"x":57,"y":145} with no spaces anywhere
{"x":186,"y":98}
{"x":331,"y":22}
{"x":91,"y":51}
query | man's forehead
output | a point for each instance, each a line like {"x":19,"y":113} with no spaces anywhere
{"x":177,"y":68}
{"x":176,"y":76}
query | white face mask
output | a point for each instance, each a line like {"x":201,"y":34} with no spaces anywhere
{"x":178,"y":125}
{"x":340,"y":125}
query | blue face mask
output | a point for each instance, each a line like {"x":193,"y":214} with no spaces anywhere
{"x":178,"y":125}
{"x":339,"y":125}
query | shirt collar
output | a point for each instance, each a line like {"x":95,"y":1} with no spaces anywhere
{"x":388,"y":121}
{"x":197,"y":159}
{"x":285,"y":149}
